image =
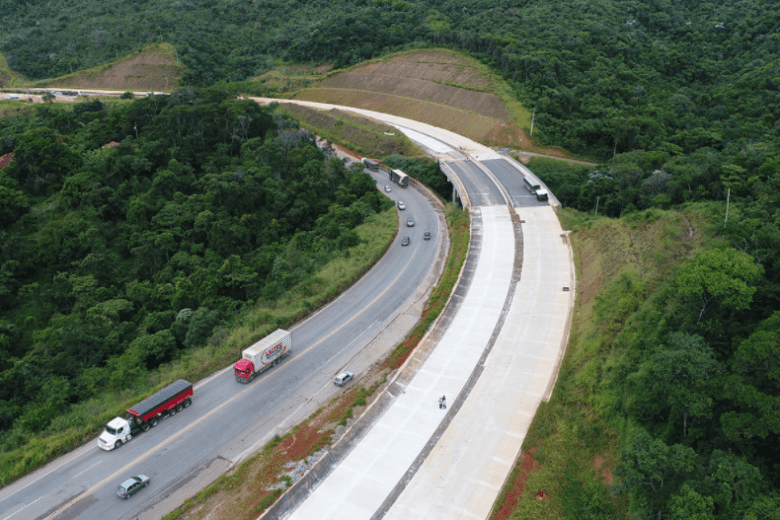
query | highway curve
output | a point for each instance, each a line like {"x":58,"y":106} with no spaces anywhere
{"x":227,"y":420}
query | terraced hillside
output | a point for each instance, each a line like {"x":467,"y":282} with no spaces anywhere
{"x":439,"y":87}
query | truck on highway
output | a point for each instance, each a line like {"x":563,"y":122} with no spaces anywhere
{"x":146,"y":414}
{"x":535,"y":188}
{"x":261,"y":356}
{"x":399,"y":177}
{"x":370,"y":164}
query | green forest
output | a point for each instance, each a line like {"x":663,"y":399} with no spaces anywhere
{"x":117,"y":259}
{"x":603,"y":76}
{"x":209,"y":203}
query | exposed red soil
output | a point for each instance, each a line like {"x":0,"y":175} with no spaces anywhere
{"x":601,"y":467}
{"x":517,"y":486}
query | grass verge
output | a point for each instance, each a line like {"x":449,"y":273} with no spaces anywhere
{"x":458,"y":220}
{"x":86,"y":419}
{"x":469,"y":124}
{"x":565,"y":467}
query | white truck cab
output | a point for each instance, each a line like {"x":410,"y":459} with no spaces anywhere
{"x":117,"y":432}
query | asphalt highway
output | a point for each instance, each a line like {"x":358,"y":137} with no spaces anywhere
{"x":227,"y":420}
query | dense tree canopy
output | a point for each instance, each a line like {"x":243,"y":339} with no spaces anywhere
{"x":604,"y":76}
{"x":114,"y":260}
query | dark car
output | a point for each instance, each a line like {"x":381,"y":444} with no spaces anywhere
{"x":405,"y":241}
{"x":427,"y":235}
{"x":131,"y":486}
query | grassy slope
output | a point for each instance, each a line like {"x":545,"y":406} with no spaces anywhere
{"x":87,"y":418}
{"x":470,"y":123}
{"x":574,"y":438}
{"x":155,"y":68}
{"x":360,"y":134}
{"x":9,"y":78}
{"x":301,"y":83}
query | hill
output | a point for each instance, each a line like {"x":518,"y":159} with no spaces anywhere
{"x":8,"y":78}
{"x":152,"y":69}
{"x":436,"y":86}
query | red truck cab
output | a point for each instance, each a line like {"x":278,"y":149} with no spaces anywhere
{"x":243,"y":369}
{"x":261,"y":356}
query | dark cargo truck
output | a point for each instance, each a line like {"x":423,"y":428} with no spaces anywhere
{"x":146,"y":414}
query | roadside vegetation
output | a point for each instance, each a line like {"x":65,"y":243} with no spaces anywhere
{"x":673,"y":328}
{"x":360,"y":134}
{"x":8,"y":77}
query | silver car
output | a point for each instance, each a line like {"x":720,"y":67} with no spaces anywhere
{"x":131,"y":486}
{"x":343,"y":378}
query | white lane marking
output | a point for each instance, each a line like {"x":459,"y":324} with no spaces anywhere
{"x":50,"y":472}
{"x":22,"y":509}
{"x":89,"y":468}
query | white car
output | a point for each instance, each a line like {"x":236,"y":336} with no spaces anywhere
{"x":388,"y":189}
{"x":401,"y":205}
{"x":343,"y":378}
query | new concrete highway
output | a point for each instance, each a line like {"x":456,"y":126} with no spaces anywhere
{"x":228,"y":420}
{"x":494,"y":354}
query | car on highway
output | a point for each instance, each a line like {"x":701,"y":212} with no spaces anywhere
{"x":388,"y":189}
{"x":410,"y":222}
{"x":427,"y":235}
{"x":343,"y":378}
{"x":405,"y":241}
{"x":131,"y":486}
{"x":401,"y":205}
